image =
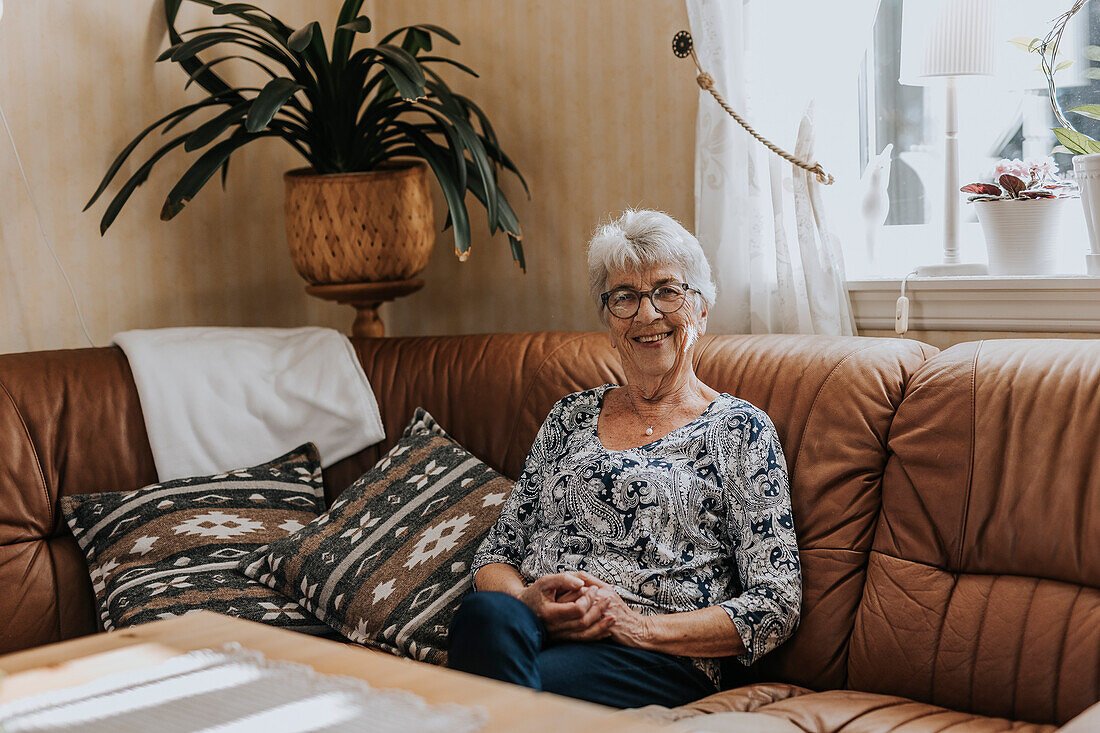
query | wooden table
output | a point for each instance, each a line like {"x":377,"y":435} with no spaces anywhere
{"x":511,"y":708}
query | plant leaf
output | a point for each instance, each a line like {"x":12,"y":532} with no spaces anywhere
{"x":342,"y":40}
{"x":139,"y":177}
{"x":210,"y":64}
{"x":456,"y":204}
{"x":116,"y":164}
{"x":208,"y":80}
{"x":266,"y":22}
{"x":234,"y":8}
{"x":985,"y":189}
{"x":415,"y":41}
{"x":409,"y":66}
{"x":1064,"y":65}
{"x":1078,"y":143}
{"x":480,"y":157}
{"x":1093,"y":72}
{"x":395,"y":79}
{"x":492,"y":145}
{"x":270,"y":99}
{"x":359,"y":25}
{"x":517,"y":252}
{"x":1012,"y":184}
{"x":239,"y":24}
{"x":301,"y":38}
{"x":1023,"y":43}
{"x":1093,"y":53}
{"x":192,"y":46}
{"x":452,"y":62}
{"x":1092,"y":111}
{"x":186,"y":53}
{"x":210,"y":130}
{"x":198,"y":174}
{"x":508,"y":218}
{"x":442,"y":32}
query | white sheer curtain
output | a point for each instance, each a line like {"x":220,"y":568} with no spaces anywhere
{"x":790,"y":67}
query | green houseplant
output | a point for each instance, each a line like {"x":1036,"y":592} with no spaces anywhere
{"x":1085,"y":150}
{"x":345,"y":111}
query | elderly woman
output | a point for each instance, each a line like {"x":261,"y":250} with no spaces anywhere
{"x":650,"y":532}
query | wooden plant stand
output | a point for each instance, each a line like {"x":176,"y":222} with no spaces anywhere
{"x":365,"y":298}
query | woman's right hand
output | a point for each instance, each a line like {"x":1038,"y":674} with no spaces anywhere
{"x":570,"y":609}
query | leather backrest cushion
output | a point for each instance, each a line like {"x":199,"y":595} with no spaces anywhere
{"x":982,"y":591}
{"x":70,"y":423}
{"x":832,"y":401}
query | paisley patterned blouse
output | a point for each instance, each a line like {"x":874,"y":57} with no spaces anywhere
{"x":699,"y":517}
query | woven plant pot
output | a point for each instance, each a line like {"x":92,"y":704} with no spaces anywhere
{"x":359,"y":227}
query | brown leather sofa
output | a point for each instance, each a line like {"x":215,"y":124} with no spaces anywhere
{"x":947,"y":504}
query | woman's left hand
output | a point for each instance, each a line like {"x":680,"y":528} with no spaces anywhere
{"x":629,"y":627}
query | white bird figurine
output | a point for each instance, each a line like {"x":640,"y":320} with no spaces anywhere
{"x":875,"y":203}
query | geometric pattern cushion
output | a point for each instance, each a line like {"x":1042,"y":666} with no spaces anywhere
{"x":170,"y":548}
{"x":389,"y":563}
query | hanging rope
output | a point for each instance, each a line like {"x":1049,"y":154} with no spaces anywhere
{"x":682,"y":47}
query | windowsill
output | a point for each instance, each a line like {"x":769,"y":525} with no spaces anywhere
{"x":1050,"y":304}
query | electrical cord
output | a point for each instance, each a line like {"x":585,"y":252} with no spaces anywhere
{"x":42,"y":229}
{"x":901,"y":314}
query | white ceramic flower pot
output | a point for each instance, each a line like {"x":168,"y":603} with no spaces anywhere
{"x":1022,"y":236}
{"x":1087,"y":169}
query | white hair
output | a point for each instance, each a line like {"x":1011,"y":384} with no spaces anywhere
{"x":641,"y":238}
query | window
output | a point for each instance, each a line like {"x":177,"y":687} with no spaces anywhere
{"x":1007,"y":116}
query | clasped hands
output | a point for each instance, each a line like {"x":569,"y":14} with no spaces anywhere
{"x":578,"y":606}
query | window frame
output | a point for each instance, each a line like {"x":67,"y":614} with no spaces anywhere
{"x":1065,"y":303}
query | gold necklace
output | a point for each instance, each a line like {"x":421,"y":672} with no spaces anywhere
{"x":649,"y":430}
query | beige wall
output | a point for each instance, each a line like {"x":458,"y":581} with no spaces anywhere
{"x":585,"y":95}
{"x":77,"y":82}
{"x":598,"y":114}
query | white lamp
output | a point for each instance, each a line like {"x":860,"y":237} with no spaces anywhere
{"x":951,"y":38}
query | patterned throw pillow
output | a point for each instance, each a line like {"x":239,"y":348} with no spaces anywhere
{"x":389,"y":563}
{"x":170,"y":548}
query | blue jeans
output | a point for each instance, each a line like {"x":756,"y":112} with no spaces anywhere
{"x":498,"y":636}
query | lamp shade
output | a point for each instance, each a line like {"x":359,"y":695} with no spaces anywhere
{"x":947,"y":38}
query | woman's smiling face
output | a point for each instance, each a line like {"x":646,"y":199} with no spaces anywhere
{"x":651,"y":341}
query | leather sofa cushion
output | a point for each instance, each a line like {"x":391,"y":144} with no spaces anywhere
{"x":849,"y":711}
{"x":982,"y":588}
{"x":832,"y":401}
{"x":70,"y":423}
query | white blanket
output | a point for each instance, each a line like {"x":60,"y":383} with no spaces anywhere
{"x":217,"y":399}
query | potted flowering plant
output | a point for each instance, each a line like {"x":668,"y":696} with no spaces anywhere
{"x":1021,"y":210}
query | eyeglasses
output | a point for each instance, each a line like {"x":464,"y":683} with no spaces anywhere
{"x":625,"y":302}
